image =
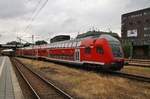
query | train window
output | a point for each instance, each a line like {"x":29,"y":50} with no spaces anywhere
{"x":50,"y":45}
{"x":99,"y":50}
{"x":87,"y":50}
{"x":74,"y":44}
{"x":59,"y":45}
{"x":63,"y":45}
{"x":78,"y":44}
{"x":66,"y":44}
{"x":70,"y":44}
{"x":54,"y":45}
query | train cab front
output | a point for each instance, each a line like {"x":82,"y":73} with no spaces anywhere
{"x":116,"y":62}
{"x":117,"y":55}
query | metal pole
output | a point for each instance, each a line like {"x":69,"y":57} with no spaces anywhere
{"x":32,"y":43}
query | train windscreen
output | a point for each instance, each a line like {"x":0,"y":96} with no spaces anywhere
{"x":116,"y":50}
{"x":114,"y":44}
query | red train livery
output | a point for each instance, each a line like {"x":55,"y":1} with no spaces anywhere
{"x":104,"y":51}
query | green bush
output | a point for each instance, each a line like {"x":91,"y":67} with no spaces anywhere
{"x":126,"y":50}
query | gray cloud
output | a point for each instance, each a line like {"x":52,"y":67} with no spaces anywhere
{"x":65,"y":16}
{"x":12,"y":8}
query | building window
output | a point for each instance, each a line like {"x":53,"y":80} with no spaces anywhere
{"x":136,"y":15}
{"x":132,"y":33}
{"x":146,"y":13}
{"x":146,"y":31}
{"x":87,"y":50}
{"x":130,"y":23}
{"x":147,"y":20}
{"x":139,"y":22}
{"x":146,"y":28}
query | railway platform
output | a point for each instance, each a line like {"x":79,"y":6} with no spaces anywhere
{"x":9,"y":86}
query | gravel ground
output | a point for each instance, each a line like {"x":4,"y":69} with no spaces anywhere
{"x":89,"y":85}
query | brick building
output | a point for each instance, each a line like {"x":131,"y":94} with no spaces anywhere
{"x":135,"y":31}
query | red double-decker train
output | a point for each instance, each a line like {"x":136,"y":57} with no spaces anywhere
{"x":104,"y":51}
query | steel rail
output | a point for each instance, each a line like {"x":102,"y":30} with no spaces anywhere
{"x":137,"y":65}
{"x":130,"y":76}
{"x":32,"y":89}
{"x":137,"y":60}
{"x":64,"y":94}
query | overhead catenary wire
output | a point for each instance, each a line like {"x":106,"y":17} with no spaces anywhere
{"x":36,"y":14}
{"x":33,"y":13}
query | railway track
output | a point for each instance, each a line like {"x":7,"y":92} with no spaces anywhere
{"x":130,"y":76}
{"x":137,"y":65}
{"x":137,"y":62}
{"x":41,"y":88}
{"x":115,"y":73}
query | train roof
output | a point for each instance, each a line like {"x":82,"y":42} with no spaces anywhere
{"x":71,"y":43}
{"x":96,"y":34}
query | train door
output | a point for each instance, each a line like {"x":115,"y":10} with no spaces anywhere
{"x":77,"y":54}
{"x":37,"y":52}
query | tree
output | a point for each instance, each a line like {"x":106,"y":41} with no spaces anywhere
{"x":13,"y":43}
{"x":40,"y":42}
{"x":27,"y":44}
{"x":126,"y":49}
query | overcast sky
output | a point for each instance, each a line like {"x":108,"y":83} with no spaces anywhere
{"x":62,"y":17}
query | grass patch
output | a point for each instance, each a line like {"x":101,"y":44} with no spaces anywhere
{"x":137,"y":70}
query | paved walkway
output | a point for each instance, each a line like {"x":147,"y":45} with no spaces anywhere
{"x":9,"y":86}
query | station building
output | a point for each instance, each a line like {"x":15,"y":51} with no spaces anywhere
{"x":135,"y":31}
{"x":60,"y":38}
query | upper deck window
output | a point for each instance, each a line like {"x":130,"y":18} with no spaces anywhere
{"x":74,"y":44}
{"x":78,"y":44}
{"x":70,"y":44}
